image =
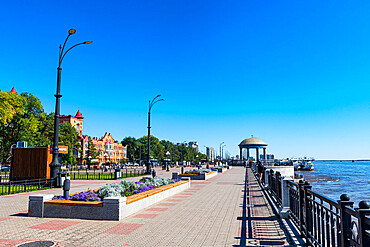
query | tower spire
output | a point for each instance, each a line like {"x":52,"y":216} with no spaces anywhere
{"x":13,"y":91}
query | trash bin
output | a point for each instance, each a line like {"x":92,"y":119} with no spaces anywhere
{"x":117,"y":173}
{"x":62,"y":176}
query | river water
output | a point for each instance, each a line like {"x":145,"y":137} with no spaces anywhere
{"x":333,"y":178}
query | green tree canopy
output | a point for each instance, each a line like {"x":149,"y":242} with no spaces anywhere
{"x":159,"y":149}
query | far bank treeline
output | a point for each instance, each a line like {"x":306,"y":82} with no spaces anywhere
{"x":22,"y":118}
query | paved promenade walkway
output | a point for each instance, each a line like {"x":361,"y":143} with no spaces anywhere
{"x":227,"y":210}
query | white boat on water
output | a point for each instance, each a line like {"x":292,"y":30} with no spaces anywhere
{"x":304,"y":164}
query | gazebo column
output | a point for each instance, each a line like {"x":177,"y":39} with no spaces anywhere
{"x":247,"y":153}
{"x":241,"y":153}
{"x":264,"y":153}
{"x":257,"y":154}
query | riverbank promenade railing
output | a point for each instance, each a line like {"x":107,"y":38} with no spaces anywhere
{"x":320,"y":220}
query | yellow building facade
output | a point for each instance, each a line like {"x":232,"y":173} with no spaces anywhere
{"x":109,"y":150}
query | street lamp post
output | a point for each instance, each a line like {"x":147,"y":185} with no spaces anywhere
{"x":222,"y":152}
{"x":55,"y":164}
{"x":220,"y":148}
{"x":151,"y":103}
{"x":140,"y":154}
{"x":168,"y":155}
{"x":182,"y":152}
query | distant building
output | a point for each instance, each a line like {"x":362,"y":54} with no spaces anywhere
{"x":109,"y":150}
{"x":189,"y":144}
{"x":76,"y":121}
{"x":13,"y":91}
{"x":193,"y":145}
{"x":210,"y":154}
{"x":270,"y":156}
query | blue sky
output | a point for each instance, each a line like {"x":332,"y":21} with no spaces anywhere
{"x":295,"y":74}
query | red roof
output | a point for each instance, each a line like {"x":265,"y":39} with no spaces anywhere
{"x":78,"y":114}
{"x":13,"y":91}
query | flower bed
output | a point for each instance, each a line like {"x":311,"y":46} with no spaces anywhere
{"x":201,"y":174}
{"x":197,"y":172}
{"x":110,"y":202}
{"x":124,"y":188}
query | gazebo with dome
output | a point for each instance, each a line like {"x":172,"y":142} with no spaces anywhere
{"x":253,"y":143}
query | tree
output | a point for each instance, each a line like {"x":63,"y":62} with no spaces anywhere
{"x":132,"y":147}
{"x":69,"y":137}
{"x":10,"y":104}
{"x":92,"y":151}
{"x":20,"y":117}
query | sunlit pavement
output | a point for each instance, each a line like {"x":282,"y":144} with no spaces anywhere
{"x":227,"y":210}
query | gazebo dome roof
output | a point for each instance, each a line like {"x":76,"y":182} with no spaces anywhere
{"x":252,"y":142}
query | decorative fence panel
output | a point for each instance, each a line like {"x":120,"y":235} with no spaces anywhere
{"x":20,"y":186}
{"x":322,"y":221}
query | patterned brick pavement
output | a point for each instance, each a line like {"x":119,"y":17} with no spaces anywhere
{"x":227,"y":210}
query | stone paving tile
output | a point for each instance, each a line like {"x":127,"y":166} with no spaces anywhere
{"x":145,"y":216}
{"x":123,"y":229}
{"x":11,"y":242}
{"x":54,"y":225}
{"x":210,"y":215}
{"x":157,"y":209}
{"x":173,"y":200}
{"x":166,"y":204}
{"x":4,"y":218}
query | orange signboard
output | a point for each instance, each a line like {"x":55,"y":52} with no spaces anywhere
{"x":62,"y":149}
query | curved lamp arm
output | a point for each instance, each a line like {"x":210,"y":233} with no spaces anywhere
{"x":82,"y":43}
{"x":151,"y":103}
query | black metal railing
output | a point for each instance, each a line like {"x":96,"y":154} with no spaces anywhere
{"x":19,"y":186}
{"x":104,"y":174}
{"x":275,"y":185}
{"x":322,"y":221}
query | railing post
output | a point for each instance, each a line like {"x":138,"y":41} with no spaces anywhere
{"x":345,"y":220}
{"x":285,"y":200}
{"x":10,"y":186}
{"x":363,"y":223}
{"x":301,"y":207}
{"x":267,"y":177}
{"x":278,"y":187}
{"x":307,"y":210}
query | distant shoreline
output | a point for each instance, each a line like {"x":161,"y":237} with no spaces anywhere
{"x":342,"y":160}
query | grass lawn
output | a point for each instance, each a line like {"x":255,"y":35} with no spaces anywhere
{"x":18,"y":188}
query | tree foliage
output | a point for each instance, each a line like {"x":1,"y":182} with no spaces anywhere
{"x":92,"y":151}
{"x":10,"y":104}
{"x":22,"y":118}
{"x":159,"y":149}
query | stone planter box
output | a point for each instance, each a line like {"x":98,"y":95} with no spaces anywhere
{"x":221,"y":170}
{"x":203,"y":176}
{"x":111,"y":208}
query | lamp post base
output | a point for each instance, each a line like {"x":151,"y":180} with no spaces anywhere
{"x":148,"y":168}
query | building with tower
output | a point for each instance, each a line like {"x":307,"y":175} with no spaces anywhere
{"x":76,"y":121}
{"x":109,"y":150}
